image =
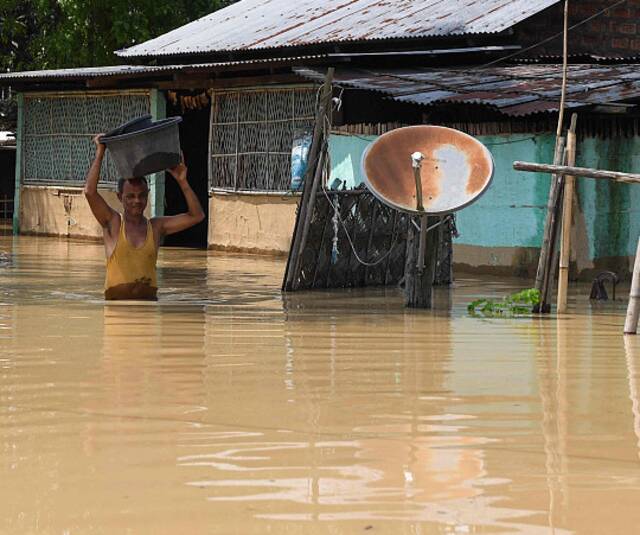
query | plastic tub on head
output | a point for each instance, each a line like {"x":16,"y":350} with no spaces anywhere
{"x":141,"y":146}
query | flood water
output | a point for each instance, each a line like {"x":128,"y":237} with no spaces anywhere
{"x":228,"y":408}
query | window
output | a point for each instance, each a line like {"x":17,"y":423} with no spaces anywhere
{"x":59,"y":128}
{"x":252,"y":133}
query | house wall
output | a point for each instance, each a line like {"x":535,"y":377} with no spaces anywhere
{"x":58,"y":211}
{"x":501,"y":232}
{"x":63,"y":124}
{"x":251,"y":223}
{"x":608,"y":220}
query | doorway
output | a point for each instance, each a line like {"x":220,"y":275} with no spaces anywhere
{"x":194,"y":142}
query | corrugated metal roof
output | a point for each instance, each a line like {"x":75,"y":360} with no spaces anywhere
{"x":85,"y":73}
{"x":517,"y":90}
{"x":260,"y":24}
{"x":79,"y":73}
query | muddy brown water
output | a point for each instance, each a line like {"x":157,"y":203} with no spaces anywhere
{"x":228,"y":408}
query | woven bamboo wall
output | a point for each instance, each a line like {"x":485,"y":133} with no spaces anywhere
{"x":251,"y":135}
{"x":59,"y":127}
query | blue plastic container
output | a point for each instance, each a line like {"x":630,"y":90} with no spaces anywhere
{"x":300,"y":158}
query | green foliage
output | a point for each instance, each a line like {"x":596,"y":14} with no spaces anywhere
{"x":516,"y":304}
{"x":51,"y":34}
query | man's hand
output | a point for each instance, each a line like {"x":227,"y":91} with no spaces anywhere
{"x":179,"y":172}
{"x":100,"y":146}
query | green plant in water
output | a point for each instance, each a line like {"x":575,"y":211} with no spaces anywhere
{"x":516,"y":304}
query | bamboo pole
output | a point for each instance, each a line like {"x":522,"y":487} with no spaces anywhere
{"x":585,"y":172}
{"x":547,"y":247}
{"x":633,"y":309}
{"x":549,"y":251}
{"x":543,"y":260}
{"x":567,"y":205}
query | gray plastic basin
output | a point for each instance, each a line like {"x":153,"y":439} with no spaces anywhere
{"x":142,"y":146}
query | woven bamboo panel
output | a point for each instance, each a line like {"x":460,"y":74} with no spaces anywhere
{"x":378,"y":237}
{"x":252,"y":132}
{"x":59,"y":127}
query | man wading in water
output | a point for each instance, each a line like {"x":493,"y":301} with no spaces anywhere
{"x":130,"y":239}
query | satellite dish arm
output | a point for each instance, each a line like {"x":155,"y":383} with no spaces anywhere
{"x":416,"y":162}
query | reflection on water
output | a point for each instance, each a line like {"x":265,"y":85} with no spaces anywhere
{"x":226,"y":407}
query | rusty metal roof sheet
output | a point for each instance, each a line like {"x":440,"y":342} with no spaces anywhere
{"x":515,"y":90}
{"x":85,"y":73}
{"x":262,"y":24}
{"x":78,"y":73}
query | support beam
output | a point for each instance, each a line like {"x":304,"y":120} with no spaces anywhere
{"x":228,"y":83}
{"x":547,"y":246}
{"x":19,"y":164}
{"x":418,"y":282}
{"x":312,"y":178}
{"x":585,"y":172}
{"x":158,"y":111}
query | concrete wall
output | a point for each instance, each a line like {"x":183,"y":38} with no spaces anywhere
{"x":60,"y":211}
{"x":251,"y":223}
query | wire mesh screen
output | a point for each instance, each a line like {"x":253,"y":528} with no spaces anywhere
{"x":252,"y":132}
{"x":58,"y":129}
{"x":377,"y":235}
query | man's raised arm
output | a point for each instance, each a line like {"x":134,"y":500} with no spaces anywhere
{"x":99,"y":207}
{"x":194,"y":214}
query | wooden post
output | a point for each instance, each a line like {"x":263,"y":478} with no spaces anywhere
{"x":158,"y":111}
{"x":567,"y":205}
{"x":544,"y":275}
{"x":444,"y":271}
{"x":548,"y":251}
{"x":633,"y":309}
{"x":552,"y":200}
{"x":310,"y":187}
{"x":422,"y":242}
{"x":19,"y":164}
{"x":419,"y":284}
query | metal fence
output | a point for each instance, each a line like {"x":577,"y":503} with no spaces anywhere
{"x":58,"y":129}
{"x":252,"y":133}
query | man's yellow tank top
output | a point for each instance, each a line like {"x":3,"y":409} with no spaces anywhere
{"x":131,"y":271}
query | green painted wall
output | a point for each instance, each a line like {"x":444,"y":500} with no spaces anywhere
{"x":346,"y":155}
{"x":511,"y":212}
{"x":612,"y":211}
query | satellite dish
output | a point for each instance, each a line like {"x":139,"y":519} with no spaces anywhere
{"x":454,"y":169}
